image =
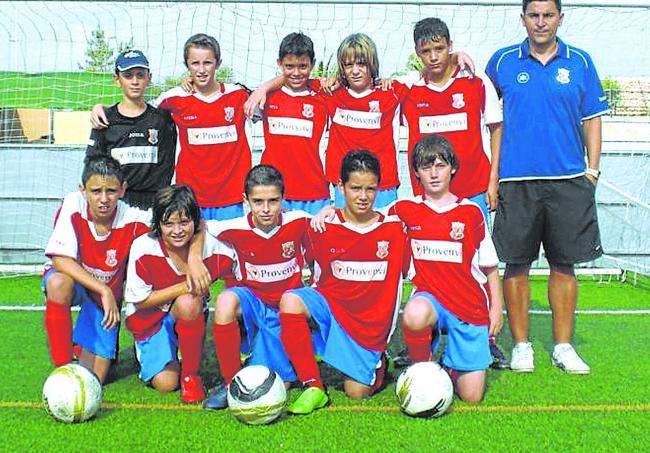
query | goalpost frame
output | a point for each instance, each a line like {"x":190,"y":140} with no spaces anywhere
{"x":565,"y":3}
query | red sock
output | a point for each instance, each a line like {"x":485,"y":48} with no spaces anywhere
{"x":418,"y":343}
{"x":296,"y":338}
{"x":190,"y":341}
{"x":227,"y":344}
{"x":58,"y":324}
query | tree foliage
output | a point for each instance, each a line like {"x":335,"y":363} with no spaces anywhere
{"x":100,"y":55}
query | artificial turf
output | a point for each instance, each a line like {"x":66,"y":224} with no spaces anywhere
{"x":545,"y":410}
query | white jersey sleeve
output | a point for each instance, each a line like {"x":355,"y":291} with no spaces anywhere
{"x":487,"y":254}
{"x":64,"y":241}
{"x":136,"y":289}
{"x":493,"y":113}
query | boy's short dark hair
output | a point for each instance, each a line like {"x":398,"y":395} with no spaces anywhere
{"x":525,"y":3}
{"x":361,"y":161}
{"x":104,"y":166}
{"x":171,"y":199}
{"x":430,"y":29}
{"x":430,"y":148}
{"x":201,"y":41}
{"x":297,"y":44}
{"x":263,"y":175}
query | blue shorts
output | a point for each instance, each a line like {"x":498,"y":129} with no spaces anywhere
{"x":224,"y":212}
{"x":479,"y":199}
{"x":383,"y":198}
{"x":467,"y":344}
{"x":263,"y":334}
{"x":154,"y":353}
{"x":334,"y":345}
{"x":88,"y":331}
{"x":312,"y":207}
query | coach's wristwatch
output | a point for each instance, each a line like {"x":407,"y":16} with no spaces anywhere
{"x":593,"y":172}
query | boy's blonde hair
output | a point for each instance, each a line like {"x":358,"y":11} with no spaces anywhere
{"x":358,"y":47}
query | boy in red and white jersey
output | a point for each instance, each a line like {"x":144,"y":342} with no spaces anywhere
{"x":270,"y":248}
{"x":445,"y":101}
{"x":89,"y":247}
{"x":453,"y":269}
{"x":294,"y":119}
{"x":363,"y":116}
{"x":354,"y":300}
{"x":214,"y":153}
{"x":162,"y":313}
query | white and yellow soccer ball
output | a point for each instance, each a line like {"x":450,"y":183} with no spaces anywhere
{"x":424,"y":390}
{"x":72,"y":394}
{"x":256,"y":395}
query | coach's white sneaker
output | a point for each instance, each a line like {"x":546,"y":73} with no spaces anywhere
{"x":566,"y":358}
{"x":522,"y":358}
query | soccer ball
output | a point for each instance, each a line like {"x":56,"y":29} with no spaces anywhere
{"x":256,"y":395}
{"x":424,"y":390}
{"x":72,"y":394}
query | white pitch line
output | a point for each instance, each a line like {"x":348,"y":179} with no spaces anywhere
{"x":642,"y":312}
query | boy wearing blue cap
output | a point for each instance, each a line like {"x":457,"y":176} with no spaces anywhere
{"x":141,"y":137}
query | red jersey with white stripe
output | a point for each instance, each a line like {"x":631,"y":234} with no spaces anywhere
{"x":369,"y":121}
{"x":448,"y":246}
{"x":359,"y":272}
{"x":151,"y":269}
{"x":214,"y":154}
{"x":267,"y":263}
{"x":459,"y":111}
{"x":293,"y":129}
{"x":103,"y":257}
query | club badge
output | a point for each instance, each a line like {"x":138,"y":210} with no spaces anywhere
{"x":288,"y":249}
{"x":457,"y":231}
{"x":563,"y":76}
{"x":308,"y":110}
{"x":229,"y":113}
{"x":153,"y":136}
{"x":457,"y":101}
{"x":111,"y":258}
{"x":382,"y":249}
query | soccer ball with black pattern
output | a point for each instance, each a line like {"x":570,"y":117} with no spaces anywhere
{"x":72,"y":393}
{"x":424,"y":390}
{"x":256,"y":395}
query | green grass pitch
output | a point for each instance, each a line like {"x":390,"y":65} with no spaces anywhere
{"x":546,"y":410}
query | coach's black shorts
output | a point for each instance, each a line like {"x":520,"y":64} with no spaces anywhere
{"x":559,"y":213}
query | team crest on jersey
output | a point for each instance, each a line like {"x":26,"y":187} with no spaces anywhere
{"x":153,"y":136}
{"x":229,"y":113}
{"x":457,"y":231}
{"x":382,"y":249}
{"x":563,"y":76}
{"x":373,"y":106}
{"x":523,"y":77}
{"x":308,"y":110}
{"x":288,"y":249}
{"x":111,"y":258}
{"x":457,"y":100}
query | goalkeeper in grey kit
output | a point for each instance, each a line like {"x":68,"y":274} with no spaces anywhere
{"x":141,"y":137}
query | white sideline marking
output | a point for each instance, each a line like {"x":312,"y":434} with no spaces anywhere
{"x":36,"y":308}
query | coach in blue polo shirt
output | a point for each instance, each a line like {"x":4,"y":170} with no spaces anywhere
{"x":553,"y":101}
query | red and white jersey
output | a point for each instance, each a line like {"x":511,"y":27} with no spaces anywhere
{"x":293,"y":130}
{"x":214,"y":154}
{"x":359,"y":272}
{"x":369,"y":121}
{"x":151,"y":269}
{"x":267,"y":263}
{"x":103,"y":257}
{"x":459,"y":111}
{"x":448,"y":246}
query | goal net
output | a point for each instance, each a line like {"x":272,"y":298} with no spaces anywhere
{"x":56,"y":62}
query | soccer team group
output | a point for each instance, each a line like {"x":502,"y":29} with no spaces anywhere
{"x":130,"y":235}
